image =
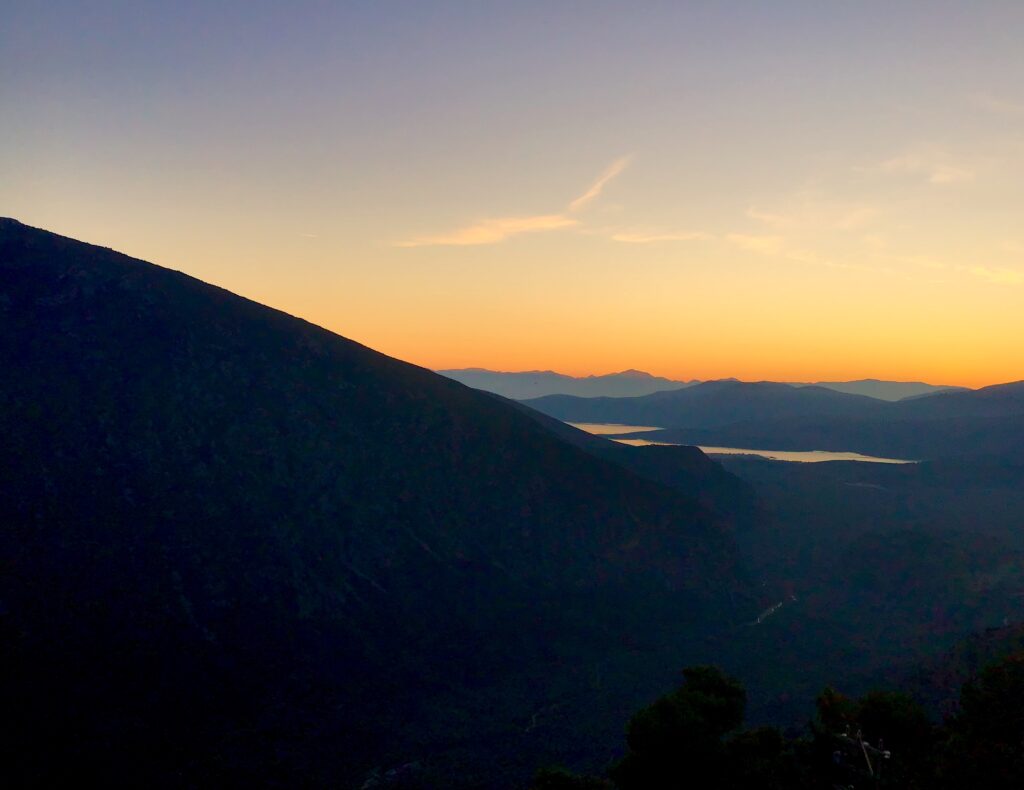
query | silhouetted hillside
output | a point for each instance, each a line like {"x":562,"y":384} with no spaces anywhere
{"x":984,"y":422}
{"x":238,"y":548}
{"x":937,"y":682}
{"x":684,"y":468}
{"x":765,"y":415}
{"x":885,"y":390}
{"x":999,"y":400}
{"x":708,"y":405}
{"x":877,"y":567}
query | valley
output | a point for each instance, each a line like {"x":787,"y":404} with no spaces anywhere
{"x":267,"y":534}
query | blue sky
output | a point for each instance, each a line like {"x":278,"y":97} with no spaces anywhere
{"x":582,"y":186}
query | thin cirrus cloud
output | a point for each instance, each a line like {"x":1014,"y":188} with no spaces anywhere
{"x":932,"y":163}
{"x":816,"y":213}
{"x":997,"y":104}
{"x":491,"y":231}
{"x":497,"y":229}
{"x":768,"y":245}
{"x":614,"y":169}
{"x":997,"y":274}
{"x":654,"y":238}
{"x":780,"y":247}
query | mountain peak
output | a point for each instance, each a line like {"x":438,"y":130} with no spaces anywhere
{"x":539,"y":383}
{"x":632,"y":373}
{"x":147,"y":415}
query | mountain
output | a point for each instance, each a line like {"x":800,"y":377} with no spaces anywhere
{"x":884,"y":390}
{"x":635,"y":383}
{"x":683,"y":468}
{"x":999,"y":400}
{"x":984,"y":422}
{"x":237,"y":548}
{"x":937,"y":681}
{"x":878,"y":566}
{"x":537,"y":383}
{"x":708,"y":405}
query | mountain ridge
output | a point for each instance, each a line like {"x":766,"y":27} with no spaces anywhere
{"x":525,"y":385}
{"x":979,"y":423}
{"x":256,"y":538}
{"x":535,"y":383}
{"x":706,"y":405}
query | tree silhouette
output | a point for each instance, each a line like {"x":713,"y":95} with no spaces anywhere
{"x":680,"y":735}
{"x":985,"y":746}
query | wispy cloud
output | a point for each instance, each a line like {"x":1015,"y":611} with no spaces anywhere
{"x":771,"y":219}
{"x":997,"y":104}
{"x":933,"y":163}
{"x":784,"y":248}
{"x":653,"y":238}
{"x":491,"y":231}
{"x":614,"y":169}
{"x":767,"y":245}
{"x":496,"y":229}
{"x":815,"y":212}
{"x":856,"y":217}
{"x":996,"y":274}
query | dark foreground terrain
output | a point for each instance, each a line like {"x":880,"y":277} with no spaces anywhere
{"x":236,"y":549}
{"x":239,"y":548}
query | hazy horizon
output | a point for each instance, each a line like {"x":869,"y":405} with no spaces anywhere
{"x":646,"y":373}
{"x":686,"y":379}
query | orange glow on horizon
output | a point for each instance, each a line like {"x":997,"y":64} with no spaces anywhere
{"x":714,"y":362}
{"x":584,"y":193}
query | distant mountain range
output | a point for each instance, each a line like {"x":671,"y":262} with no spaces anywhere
{"x":239,"y":549}
{"x":708,"y":405}
{"x":988,"y":421}
{"x":537,"y":383}
{"x":236,"y":548}
{"x":883,"y":390}
{"x":635,"y":383}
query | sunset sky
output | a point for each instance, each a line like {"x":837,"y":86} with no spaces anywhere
{"x":768,"y":190}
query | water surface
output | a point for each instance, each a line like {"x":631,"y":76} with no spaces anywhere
{"x":602,"y":428}
{"x":800,"y":456}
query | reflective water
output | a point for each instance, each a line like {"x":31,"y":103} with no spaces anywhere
{"x":602,"y":428}
{"x":801,"y":456}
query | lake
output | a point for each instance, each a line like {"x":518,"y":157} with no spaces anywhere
{"x":799,"y":456}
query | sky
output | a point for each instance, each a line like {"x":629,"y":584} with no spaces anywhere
{"x":768,"y":190}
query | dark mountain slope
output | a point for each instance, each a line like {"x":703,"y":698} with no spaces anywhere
{"x":237,"y":547}
{"x":765,"y":415}
{"x":937,"y":682}
{"x":985,"y":422}
{"x":907,"y":439}
{"x":981,"y":422}
{"x":999,"y":400}
{"x":684,"y":468}
{"x":887,"y":390}
{"x":877,"y":566}
{"x":709,"y":405}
